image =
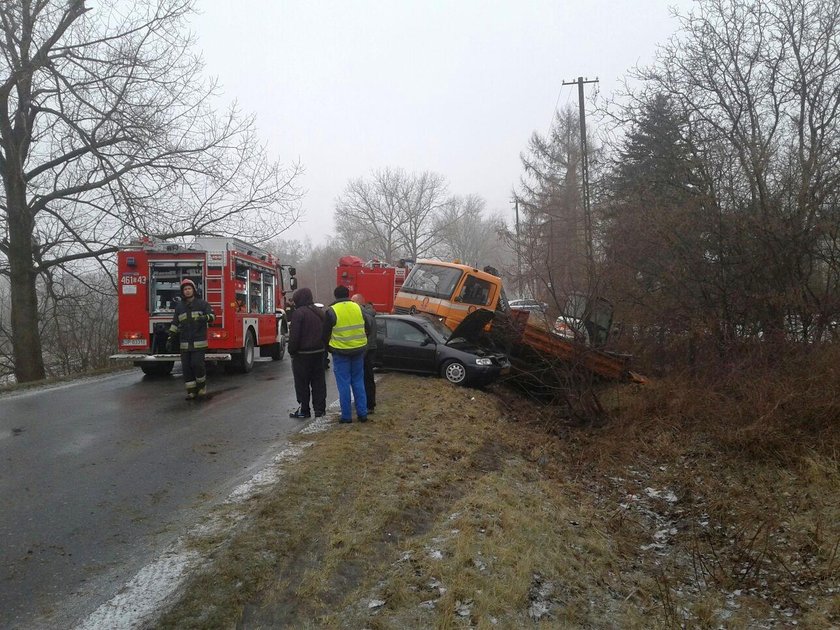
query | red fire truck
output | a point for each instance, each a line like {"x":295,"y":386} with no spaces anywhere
{"x":377,"y":281}
{"x":244,"y":284}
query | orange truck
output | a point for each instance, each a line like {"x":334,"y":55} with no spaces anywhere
{"x":451,"y":291}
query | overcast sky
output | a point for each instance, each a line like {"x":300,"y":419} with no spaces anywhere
{"x":457,"y":87}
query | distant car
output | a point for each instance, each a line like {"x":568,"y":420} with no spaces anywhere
{"x":528,"y":305}
{"x":571,"y":328}
{"x":423,"y":345}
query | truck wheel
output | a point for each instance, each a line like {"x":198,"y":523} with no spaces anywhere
{"x":278,"y":350}
{"x":454,"y":372}
{"x":164,"y":368}
{"x":244,"y":361}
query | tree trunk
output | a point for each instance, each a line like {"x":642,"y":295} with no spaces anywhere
{"x":26,"y":339}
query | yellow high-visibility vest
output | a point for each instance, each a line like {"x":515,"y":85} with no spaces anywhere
{"x":349,"y":330}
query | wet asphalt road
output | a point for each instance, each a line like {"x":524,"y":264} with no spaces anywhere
{"x":97,"y":477}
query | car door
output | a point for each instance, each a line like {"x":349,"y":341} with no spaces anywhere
{"x":406,"y":346}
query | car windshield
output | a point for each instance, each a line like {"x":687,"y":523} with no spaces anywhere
{"x":436,"y":328}
{"x":432,"y":280}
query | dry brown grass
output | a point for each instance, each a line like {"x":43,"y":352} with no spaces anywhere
{"x":456,"y":507}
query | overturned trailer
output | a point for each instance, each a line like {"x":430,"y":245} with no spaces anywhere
{"x":451,"y":291}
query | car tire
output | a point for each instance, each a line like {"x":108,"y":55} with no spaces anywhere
{"x":164,"y":368}
{"x":455,"y":372}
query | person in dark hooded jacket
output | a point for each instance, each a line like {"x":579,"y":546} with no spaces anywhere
{"x":306,"y":347}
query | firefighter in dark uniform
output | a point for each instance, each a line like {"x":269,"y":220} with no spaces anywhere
{"x":190,"y":321}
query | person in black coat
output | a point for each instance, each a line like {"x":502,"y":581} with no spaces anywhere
{"x":306,"y":347}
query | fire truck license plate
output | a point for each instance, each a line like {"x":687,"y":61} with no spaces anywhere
{"x":133,"y":342}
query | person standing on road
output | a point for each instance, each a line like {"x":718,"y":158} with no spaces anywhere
{"x":370,"y":354}
{"x":306,"y":347}
{"x":189,"y":322}
{"x":345,"y":333}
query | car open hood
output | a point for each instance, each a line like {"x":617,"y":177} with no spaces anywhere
{"x":472,"y":326}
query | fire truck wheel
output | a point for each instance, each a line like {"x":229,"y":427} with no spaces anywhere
{"x":278,"y":350}
{"x":244,"y":362}
{"x":164,"y":368}
{"x":454,"y":372}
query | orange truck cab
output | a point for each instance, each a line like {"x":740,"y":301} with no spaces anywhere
{"x":450,"y":291}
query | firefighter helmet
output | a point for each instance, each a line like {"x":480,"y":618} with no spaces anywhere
{"x":186,"y":282}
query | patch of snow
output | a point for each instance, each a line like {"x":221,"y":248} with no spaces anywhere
{"x":138,"y":602}
{"x":538,"y":610}
{"x":437,"y":585}
{"x":666,"y":495}
{"x":463,"y":609}
{"x":319,"y":425}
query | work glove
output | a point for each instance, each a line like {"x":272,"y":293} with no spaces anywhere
{"x":170,"y":345}
{"x":201,"y":317}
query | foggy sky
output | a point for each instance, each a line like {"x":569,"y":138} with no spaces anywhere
{"x":455,"y":87}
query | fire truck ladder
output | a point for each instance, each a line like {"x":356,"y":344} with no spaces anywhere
{"x":214,"y":293}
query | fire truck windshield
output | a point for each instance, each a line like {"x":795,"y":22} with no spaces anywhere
{"x":432,"y":280}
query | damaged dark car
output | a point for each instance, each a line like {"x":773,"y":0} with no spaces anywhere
{"x":423,"y":345}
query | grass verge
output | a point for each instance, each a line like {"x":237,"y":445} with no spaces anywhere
{"x":456,"y":507}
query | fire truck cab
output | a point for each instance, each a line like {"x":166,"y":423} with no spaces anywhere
{"x":244,"y":284}
{"x":377,"y":281}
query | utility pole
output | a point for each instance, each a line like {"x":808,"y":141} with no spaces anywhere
{"x":518,"y":252}
{"x":584,"y":162}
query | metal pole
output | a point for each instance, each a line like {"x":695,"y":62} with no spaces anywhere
{"x":518,"y":253}
{"x":584,"y":163}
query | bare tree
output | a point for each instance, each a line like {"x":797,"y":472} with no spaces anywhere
{"x":759,"y":86}
{"x":319,"y":267}
{"x":290,"y":251}
{"x":392,"y":215}
{"x":78,"y":322}
{"x":107,"y":129}
{"x":422,"y":201}
{"x":6,"y":358}
{"x":368,"y":214}
{"x":468,"y":236}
